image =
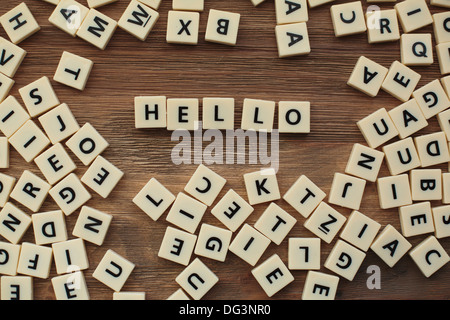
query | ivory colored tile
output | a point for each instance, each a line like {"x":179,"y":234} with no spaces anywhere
{"x":258,"y":115}
{"x":150,"y":112}
{"x":188,"y":5}
{"x":16,"y":288}
{"x":54,"y":2}
{"x":29,"y":141}
{"x":97,"y":29}
{"x":9,"y":258}
{"x":400,"y":81}
{"x":440,"y":3}
{"x":55,"y":163}
{"x":178,"y":295}
{"x":408,"y":118}
{"x":444,"y":122}
{"x":205,"y":185}
{"x":261,"y":186}
{"x":102,"y":176}
{"x":416,"y":49}
{"x":99,"y":3}
{"x":348,"y":18}
{"x":49,"y":227}
{"x":377,"y":128}
{"x":441,"y":218}
{"x":360,"y":230}
{"x":138,"y":20}
{"x":128,"y":295}
{"x":304,"y":253}
{"x":70,"y":256}
{"x":59,"y":123}
{"x":426,"y":184}
{"x":73,"y":70}
{"x":7,"y":183}
{"x":394,"y":191}
{"x":320,"y":286}
{"x":367,"y":76}
{"x":275,"y":223}
{"x":5,"y":86}
{"x":14,"y":223}
{"x":232,"y":210}
{"x":249,"y":244}
{"x":68,"y":16}
{"x":113,"y":270}
{"x":197,"y":279}
{"x":446,"y":187}
{"x":35,"y":260}
{"x":182,"y":114}
{"x":177,"y":246}
{"x":218,"y":113}
{"x":401,"y":156}
{"x":272,"y":275}
{"x":382,"y":26}
{"x":445,"y":82}
{"x":344,"y":260}
{"x":292,"y":39}
{"x":413,"y":14}
{"x":432,"y":148}
{"x":317,"y":3}
{"x":364,"y":162}
{"x":30,"y":190}
{"x":431,"y":98}
{"x":70,"y":286}
{"x":443,"y":55}
{"x":213,"y":242}
{"x":346,"y":191}
{"x":92,"y":225}
{"x":154,"y":199}
{"x":440,"y":28}
{"x":304,"y":196}
{"x":152,"y":3}
{"x":222,"y":27}
{"x":70,"y":194}
{"x":291,"y":11}
{"x":186,"y":212}
{"x":12,"y":116}
{"x":294,"y":116}
{"x":416,"y":219}
{"x":19,"y":23}
{"x":39,"y":96}
{"x":183,"y":27}
{"x":429,"y":256}
{"x":12,"y":57}
{"x":325,"y":222}
{"x":87,"y":143}
{"x":4,"y":153}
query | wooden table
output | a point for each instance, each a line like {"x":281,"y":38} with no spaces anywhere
{"x":252,"y":69}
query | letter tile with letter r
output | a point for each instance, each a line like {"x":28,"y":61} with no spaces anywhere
{"x":30,"y":190}
{"x":382,"y":26}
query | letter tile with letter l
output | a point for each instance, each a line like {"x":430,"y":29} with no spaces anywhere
{"x":11,"y":57}
{"x":261,"y":186}
{"x":68,"y":16}
{"x":197,"y":279}
{"x":390,"y":245}
{"x":12,"y":116}
{"x":138,"y":19}
{"x":320,"y":286}
{"x":14,"y":223}
{"x":222,"y":27}
{"x":394,"y":191}
{"x":70,"y":256}
{"x":345,"y":260}
{"x":382,"y":26}
{"x":429,"y":256}
{"x":59,"y":123}
{"x":413,"y":14}
{"x":73,"y":70}
{"x":92,"y":225}
{"x":258,"y":115}
{"x":416,"y":49}
{"x":213,"y":242}
{"x":249,"y":244}
{"x":416,"y":219}
{"x":19,"y":23}
{"x":9,"y":258}
{"x":400,"y":81}
{"x":55,"y":163}
{"x":97,"y":29}
{"x":186,"y":212}
{"x":35,"y":260}
{"x":348,"y":19}
{"x":275,"y":223}
{"x":150,"y":112}
{"x":218,"y":113}
{"x":205,"y":185}
{"x":304,"y":196}
{"x":183,"y":27}
{"x":102,"y":176}
{"x":29,"y":141}
{"x":49,"y":227}
{"x":401,"y":156}
{"x":30,"y":190}
{"x":16,"y":288}
{"x":177,"y":246}
{"x":70,"y":286}
{"x":154,"y":199}
{"x":292,"y":39}
{"x":272,"y":275}
{"x":432,"y":148}
{"x":39,"y":96}
{"x":347,"y":191}
{"x":304,"y":253}
{"x":432,"y":98}
{"x":325,"y":222}
{"x":377,"y":128}
{"x":113,"y":270}
{"x":367,"y":76}
{"x":70,"y":194}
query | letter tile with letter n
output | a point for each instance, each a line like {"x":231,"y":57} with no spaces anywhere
{"x":249,"y":244}
{"x":68,"y":16}
{"x":182,"y":114}
{"x":70,"y":286}
{"x":320,"y":286}
{"x":304,"y":196}
{"x":102,"y":176}
{"x":16,"y":288}
{"x":29,"y":141}
{"x":9,"y":258}
{"x":39,"y":96}
{"x":382,"y":26}
{"x":348,"y":19}
{"x":360,"y":230}
{"x":150,"y":112}
{"x":400,"y":81}
{"x":390,"y":245}
{"x":19,"y":23}
{"x":73,"y":70}
{"x":218,"y":113}
{"x":13,"y":223}
{"x":222,"y":27}
{"x":394,"y":191}
{"x":325,"y":222}
{"x":291,"y":11}
{"x":261,"y":186}
{"x":347,"y":191}
{"x":70,"y":256}
{"x":12,"y":116}
{"x":7,"y":183}
{"x":408,"y":118}
{"x":292,"y":39}
{"x":70,"y":194}
{"x":177,"y":246}
{"x":138,"y":19}
{"x":6,"y":85}
{"x":97,"y":29}
{"x":272,"y":275}
{"x":429,"y":256}
{"x":441,"y":218}
{"x":377,"y":128}
{"x":92,"y":225}
{"x":49,"y":227}
{"x":55,"y":163}
{"x":432,"y":148}
{"x":401,"y":156}
{"x":275,"y":223}
{"x":35,"y":260}
{"x":11,"y":57}
{"x":154,"y":199}
{"x":59,"y":123}
{"x":367,"y":76}
{"x":183,"y":27}
{"x":186,"y":212}
{"x":364,"y":162}
{"x":413,"y":14}
{"x":416,"y":219}
{"x":304,"y":253}
{"x":113,"y":270}
{"x":232,"y":210}
{"x":426,"y":184}
{"x":294,"y":116}
{"x":416,"y":49}
{"x":213,"y":242}
{"x":30,"y":190}
{"x":205,"y":185}
{"x":345,"y":260}
{"x":197,"y":279}
{"x":258,"y":115}
{"x":432,"y":98}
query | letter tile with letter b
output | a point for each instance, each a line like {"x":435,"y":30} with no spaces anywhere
{"x":377,"y":128}
{"x":261,"y":186}
{"x":35,"y":260}
{"x":12,"y":57}
{"x":14,"y":223}
{"x":55,"y":163}
{"x":348,"y":19}
{"x":367,"y":76}
{"x":39,"y":96}
{"x":183,"y":27}
{"x":19,"y":23}
{"x":320,"y":286}
{"x":213,"y":242}
{"x":68,"y":16}
{"x":102,"y":176}
{"x":304,"y":253}
{"x":205,"y":185}
{"x":59,"y":123}
{"x":177,"y":246}
{"x":416,"y":49}
{"x":347,"y":191}
{"x":401,"y":156}
{"x":12,"y":116}
{"x":275,"y":223}
{"x":390,"y":245}
{"x":138,"y":19}
{"x":30,"y":190}
{"x":304,"y":196}
{"x":70,"y":194}
{"x":29,"y":141}
{"x":70,"y":286}
{"x":426,"y":184}
{"x":249,"y":244}
{"x":429,"y":256}
{"x":345,"y":260}
{"x":113,"y":270}
{"x":292,"y":39}
{"x":197,"y":279}
{"x":432,"y":148}
{"x":16,"y":288}
{"x":73,"y":70}
{"x":258,"y":115}
{"x":92,"y":225}
{"x":294,"y":117}
{"x":70,"y":256}
{"x":150,"y":112}
{"x":9,"y":258}
{"x":325,"y":222}
{"x":222,"y":27}
{"x":186,"y":212}
{"x":364,"y":162}
{"x":97,"y":29}
{"x":154,"y":199}
{"x":400,"y":81}
{"x":49,"y":227}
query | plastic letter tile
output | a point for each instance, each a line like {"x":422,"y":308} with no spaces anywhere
{"x":416,"y":49}
{"x":12,"y":116}
{"x":70,"y":286}
{"x":304,"y":196}
{"x":401,"y":156}
{"x":101,"y":3}
{"x":178,"y":295}
{"x":49,"y":227}
{"x":272,"y":275}
{"x":275,"y":223}
{"x":183,"y":27}
{"x":441,"y":216}
{"x":416,"y":219}
{"x":4,"y":153}
{"x":432,"y":148}
{"x":213,"y":242}
{"x":138,"y":20}
{"x":73,"y":70}
{"x":205,"y":185}
{"x":35,"y":260}
{"x":39,"y":96}
{"x":443,"y":55}
{"x":348,"y":18}
{"x":292,"y":39}
{"x":150,"y":112}
{"x":222,"y":27}
{"x":182,"y":114}
{"x":344,"y":260}
{"x":7,"y":183}
{"x":382,"y":26}
{"x":19,"y":23}
{"x":218,"y":113}
{"x":14,"y":223}
{"x":128,"y":295}
{"x":258,"y":115}
{"x":440,"y":27}
{"x":367,"y":76}
{"x":9,"y":255}
{"x":16,"y":288}
{"x":394,"y":191}
{"x":177,"y":246}
{"x":70,"y":256}
{"x":294,"y":117}
{"x":408,"y":118}
{"x":70,"y":194}
{"x":431,"y":98}
{"x":413,"y":14}
{"x":188,"y":5}
{"x":291,"y":11}
{"x":102,"y":176}
{"x":364,"y":162}
{"x":29,"y":141}
{"x":92,"y":225}
{"x":68,"y":16}
{"x":186,"y":212}
{"x":6,"y":84}
{"x":55,"y":163}
{"x":360,"y":230}
{"x":320,"y":286}
{"x":426,"y":184}
{"x":30,"y":190}
{"x":113,"y":270}
{"x":400,"y":81}
{"x":429,"y":256}
{"x":59,"y":123}
{"x":261,"y":186}
{"x":377,"y":128}
{"x":347,"y":191}
{"x":325,"y":222}
{"x":249,"y":244}
{"x":13,"y":56}
{"x":304,"y":253}
{"x":154,"y":199}
{"x":97,"y":29}
{"x":197,"y":279}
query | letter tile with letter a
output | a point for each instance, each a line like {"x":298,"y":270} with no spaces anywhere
{"x":390,"y":245}
{"x":197,"y":279}
{"x":292,"y":39}
{"x":177,"y":246}
{"x":320,"y":286}
{"x":416,"y":219}
{"x":367,"y":76}
{"x":408,"y":118}
{"x":291,"y":11}
{"x":113,"y":270}
{"x":68,"y":16}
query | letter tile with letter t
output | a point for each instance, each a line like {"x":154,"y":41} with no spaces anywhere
{"x":19,"y":23}
{"x":154,"y":199}
{"x":320,"y":286}
{"x":222,"y":27}
{"x":49,"y":227}
{"x":292,"y":39}
{"x":70,"y":194}
{"x":261,"y":186}
{"x":205,"y":185}
{"x":113,"y":270}
{"x":429,"y":256}
{"x":97,"y":29}
{"x":177,"y":246}
{"x":377,"y":128}
{"x":16,"y":288}
{"x":197,"y":279}
{"x":102,"y":176}
{"x":73,"y":70}
{"x":275,"y":223}
{"x":213,"y":242}
{"x":304,"y":196}
{"x":70,"y":286}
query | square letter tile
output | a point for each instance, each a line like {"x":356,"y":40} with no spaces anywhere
{"x":73,"y":70}
{"x":272,"y":275}
{"x":92,"y":225}
{"x":113,"y":270}
{"x":205,"y":185}
{"x":304,"y":196}
{"x":325,"y":222}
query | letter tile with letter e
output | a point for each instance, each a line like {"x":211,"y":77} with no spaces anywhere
{"x":400,"y":81}
{"x":16,"y":288}
{"x":320,"y":286}
{"x":102,"y":176}
{"x":416,"y":219}
{"x":70,"y":286}
{"x":177,"y":246}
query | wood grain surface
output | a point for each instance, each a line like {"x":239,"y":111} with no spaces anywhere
{"x":251,"y":69}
